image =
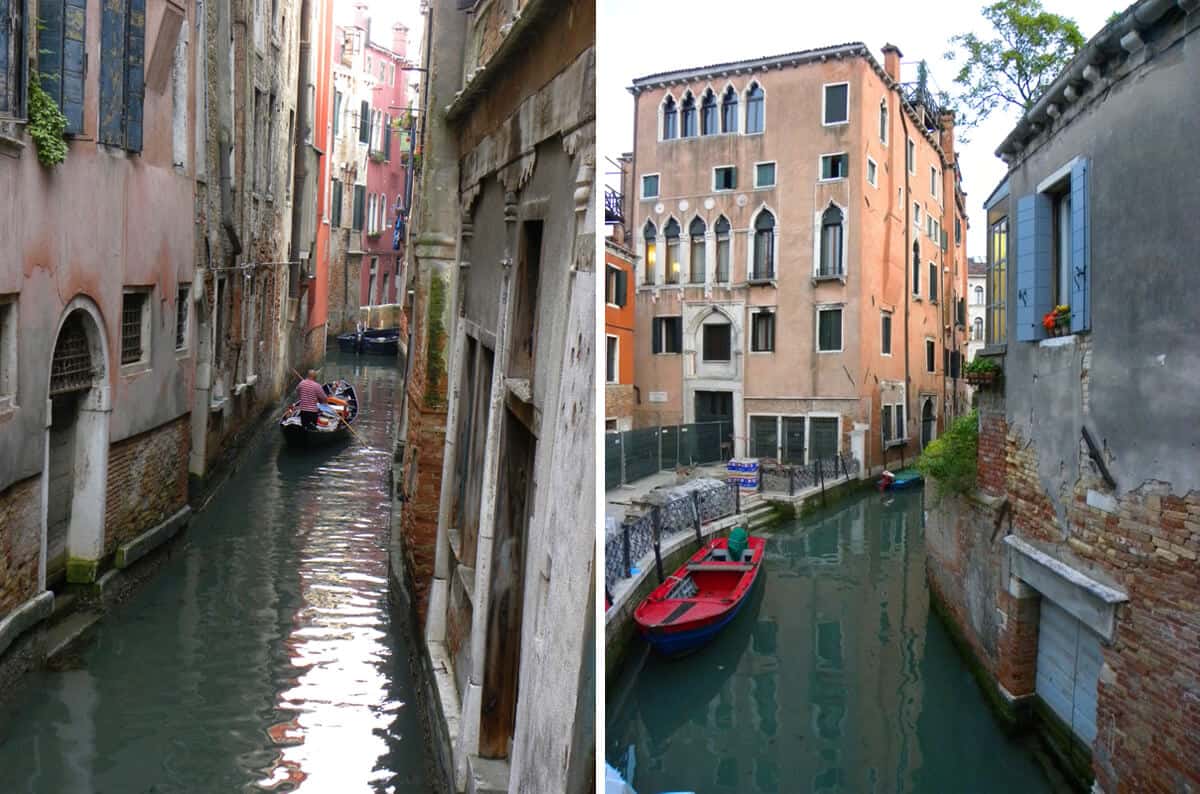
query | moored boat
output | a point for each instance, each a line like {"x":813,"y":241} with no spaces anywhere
{"x":688,"y":609}
{"x":379,"y":341}
{"x":332,"y":425}
{"x":896,"y":481}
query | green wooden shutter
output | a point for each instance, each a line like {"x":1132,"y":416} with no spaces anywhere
{"x":135,"y":85}
{"x":677,"y":333}
{"x":387,"y":140}
{"x":74,"y":53}
{"x":335,"y":211}
{"x":1081,"y":249}
{"x":359,"y":196}
{"x":112,"y":72}
{"x":656,"y":335}
{"x":364,"y":123}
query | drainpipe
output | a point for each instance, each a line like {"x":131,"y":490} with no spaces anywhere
{"x":907,"y":260}
{"x":225,"y":123}
{"x":303,"y":128}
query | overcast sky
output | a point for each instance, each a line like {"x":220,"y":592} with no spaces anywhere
{"x":641,"y":37}
{"x":385,"y":13}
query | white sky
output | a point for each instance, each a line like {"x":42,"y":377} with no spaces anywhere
{"x":385,"y":13}
{"x":641,"y":37}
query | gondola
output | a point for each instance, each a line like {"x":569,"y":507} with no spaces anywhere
{"x":333,"y":424}
{"x":378,"y":341}
{"x":701,"y":598}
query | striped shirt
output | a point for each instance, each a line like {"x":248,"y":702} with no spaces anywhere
{"x":310,"y":394}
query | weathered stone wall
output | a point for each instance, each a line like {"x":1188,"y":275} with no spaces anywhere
{"x":147,"y":481}
{"x":422,"y":488}
{"x":20,"y":542}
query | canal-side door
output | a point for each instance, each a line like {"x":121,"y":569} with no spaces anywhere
{"x":928,"y":429}
{"x":1068,"y":667}
{"x":824,"y":442}
{"x":717,"y":406}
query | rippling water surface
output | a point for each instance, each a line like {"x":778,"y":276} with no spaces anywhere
{"x":835,"y":677}
{"x":261,"y":657}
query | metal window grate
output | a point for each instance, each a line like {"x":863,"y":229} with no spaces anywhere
{"x":71,"y":369}
{"x":181,"y":318}
{"x":131,"y":328}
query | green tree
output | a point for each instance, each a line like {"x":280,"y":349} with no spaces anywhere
{"x":1011,"y":69}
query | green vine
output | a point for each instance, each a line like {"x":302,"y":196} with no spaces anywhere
{"x":435,"y":361}
{"x":46,"y":125}
{"x":950,"y":459}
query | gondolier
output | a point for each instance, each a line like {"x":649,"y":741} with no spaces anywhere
{"x":311,"y":397}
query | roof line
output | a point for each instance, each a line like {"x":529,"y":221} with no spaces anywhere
{"x":848,"y":48}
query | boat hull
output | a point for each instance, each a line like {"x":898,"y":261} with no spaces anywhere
{"x":296,"y":435}
{"x":676,"y":644}
{"x":375,"y":341}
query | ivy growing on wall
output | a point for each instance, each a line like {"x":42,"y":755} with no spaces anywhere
{"x":950,"y":460}
{"x":46,"y":125}
{"x":435,"y":363}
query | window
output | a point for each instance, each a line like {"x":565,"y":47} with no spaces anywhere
{"x":715,"y":342}
{"x":671,"y":232}
{"x":883,"y":121}
{"x":916,"y":270}
{"x":872,"y":173}
{"x":689,"y":115}
{"x":135,"y":326}
{"x":371,"y":281}
{"x":823,"y":434}
{"x":616,"y":286}
{"x":709,"y":124}
{"x":893,"y":422}
{"x":364,"y":123}
{"x":764,"y":175}
{"x":836,"y":105}
{"x":997,"y":311}
{"x":8,"y":348}
{"x":832,"y":248}
{"x":917,"y":216}
{"x":181,"y":316}
{"x":335,"y":204}
{"x":885,"y":333}
{"x":1061,"y":282}
{"x":933,"y":181}
{"x":977,"y":329}
{"x":667,"y":335}
{"x":762,"y":332}
{"x":12,"y":59}
{"x":649,"y":233}
{"x":957,"y":230}
{"x":722,"y":232}
{"x":829,"y":330}
{"x":670,"y":119}
{"x":611,"y":360}
{"x":696,"y":231}
{"x":910,"y":157}
{"x":754,"y":109}
{"x":725,"y":177}
{"x":978,"y":296}
{"x":933,"y":281}
{"x":729,"y":111}
{"x":930,"y":355}
{"x":371,"y":214}
{"x":360,"y":197}
{"x":61,"y":34}
{"x":834,"y":166}
{"x":123,"y":31}
{"x":650,"y":186}
{"x":337,"y":113}
{"x":764,"y":436}
{"x":764,"y":247}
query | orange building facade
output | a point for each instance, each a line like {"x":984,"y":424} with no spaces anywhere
{"x":618,"y":336}
{"x":799,"y":238}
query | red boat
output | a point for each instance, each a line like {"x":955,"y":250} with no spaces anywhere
{"x":698,"y":600}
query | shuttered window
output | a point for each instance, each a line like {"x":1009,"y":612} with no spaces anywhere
{"x":122,"y":87}
{"x":668,"y":335}
{"x":764,"y":436}
{"x":12,"y":56}
{"x":1035,"y":294}
{"x":1081,"y":250}
{"x":61,"y":36}
{"x":364,"y":123}
{"x":337,"y":113}
{"x":335,"y":201}
{"x":387,"y":138}
{"x":824,"y":432}
{"x":360,"y":195}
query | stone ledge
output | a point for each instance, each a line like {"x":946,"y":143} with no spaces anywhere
{"x":486,"y":775}
{"x":1091,"y":602}
{"x":28,"y":614}
{"x":143,"y":544}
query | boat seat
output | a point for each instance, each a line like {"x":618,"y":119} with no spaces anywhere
{"x":686,"y":588}
{"x":713,"y":565}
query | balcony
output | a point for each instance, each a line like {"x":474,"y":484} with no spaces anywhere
{"x":614,"y":206}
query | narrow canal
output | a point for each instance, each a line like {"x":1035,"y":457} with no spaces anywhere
{"x":835,"y":677}
{"x":261,"y":656}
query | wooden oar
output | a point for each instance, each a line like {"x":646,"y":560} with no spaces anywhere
{"x":339,"y":416}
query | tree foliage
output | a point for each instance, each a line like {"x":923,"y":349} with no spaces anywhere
{"x":949,"y":460}
{"x":1029,"y":48}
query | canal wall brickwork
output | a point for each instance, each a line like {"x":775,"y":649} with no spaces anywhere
{"x":147,"y":481}
{"x":421,"y":488}
{"x":20,"y":542}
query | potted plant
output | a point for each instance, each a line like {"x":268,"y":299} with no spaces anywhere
{"x":982,"y":372}
{"x":1057,"y":321}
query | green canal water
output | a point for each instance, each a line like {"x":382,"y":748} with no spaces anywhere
{"x":836,"y":676}
{"x":261,"y":657}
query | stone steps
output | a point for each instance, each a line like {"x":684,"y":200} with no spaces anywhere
{"x":67,"y":631}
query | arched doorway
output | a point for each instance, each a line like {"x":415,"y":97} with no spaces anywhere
{"x":76,"y":457}
{"x":928,"y":425}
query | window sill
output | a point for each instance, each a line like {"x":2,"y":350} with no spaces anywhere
{"x":830,"y":277}
{"x":828,"y":352}
{"x":762,"y":352}
{"x":895,"y":442}
{"x":997,"y":349}
{"x":832,"y":179}
{"x":1058,"y":341}
{"x":12,"y":136}
{"x":665,"y":354}
{"x":762,"y":282}
{"x":135,"y":369}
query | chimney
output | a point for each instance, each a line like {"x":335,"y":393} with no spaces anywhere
{"x":362,"y":20}
{"x":400,"y":40}
{"x":946,"y":133}
{"x":891,"y":61}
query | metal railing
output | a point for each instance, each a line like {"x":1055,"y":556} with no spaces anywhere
{"x":633,"y":454}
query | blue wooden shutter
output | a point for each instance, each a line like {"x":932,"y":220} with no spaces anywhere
{"x":112,"y":72}
{"x":74,"y":43}
{"x":1035,"y":239}
{"x":50,"y":48}
{"x":1081,"y":249}
{"x":6,"y":40}
{"x":135,"y":86}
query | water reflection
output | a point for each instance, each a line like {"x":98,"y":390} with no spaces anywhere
{"x":836,"y":678}
{"x":261,"y":658}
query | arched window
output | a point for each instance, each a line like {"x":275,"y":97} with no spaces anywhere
{"x":979,"y":296}
{"x":916,"y":269}
{"x":671,"y":232}
{"x":721,"y":228}
{"x":978,"y":333}
{"x":754,"y":109}
{"x":670,"y":119}
{"x":650,"y":233}
{"x":883,"y":121}
{"x":729,"y":111}
{"x":764,"y":247}
{"x":696,"y":231}
{"x":689,"y":116}
{"x":832,"y":233}
{"x":708,"y":114}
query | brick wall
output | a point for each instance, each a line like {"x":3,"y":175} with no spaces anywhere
{"x":147,"y":481}
{"x":422,"y":486}
{"x":20,"y":542}
{"x":618,"y":401}
{"x":993,"y":443}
